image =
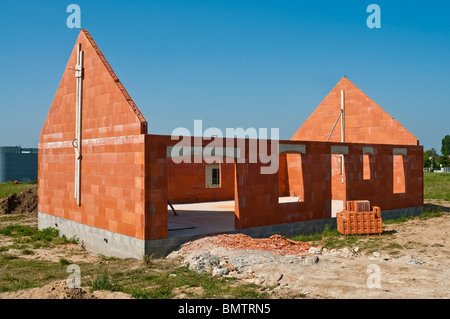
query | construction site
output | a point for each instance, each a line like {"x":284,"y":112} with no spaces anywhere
{"x":123,"y":193}
{"x":103,"y":179}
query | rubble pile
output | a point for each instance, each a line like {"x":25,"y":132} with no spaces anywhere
{"x":277,"y":244}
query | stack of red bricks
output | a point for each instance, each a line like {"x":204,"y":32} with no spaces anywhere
{"x":359,"y":219}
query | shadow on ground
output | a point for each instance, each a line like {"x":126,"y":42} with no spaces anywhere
{"x":434,"y":207}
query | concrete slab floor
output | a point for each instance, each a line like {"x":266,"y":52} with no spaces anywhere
{"x":205,"y":218}
{"x":198,"y":219}
{"x":201,"y":218}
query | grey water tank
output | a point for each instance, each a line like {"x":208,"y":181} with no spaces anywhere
{"x":17,"y":163}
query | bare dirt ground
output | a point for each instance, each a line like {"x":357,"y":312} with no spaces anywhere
{"x":411,"y":262}
{"x":60,"y":290}
{"x":351,"y":275}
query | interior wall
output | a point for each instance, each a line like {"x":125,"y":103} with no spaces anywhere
{"x":187,"y":183}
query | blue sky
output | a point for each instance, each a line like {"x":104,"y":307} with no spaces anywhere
{"x":259,"y":64}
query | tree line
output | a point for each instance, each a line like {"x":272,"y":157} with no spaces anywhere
{"x":432,"y":160}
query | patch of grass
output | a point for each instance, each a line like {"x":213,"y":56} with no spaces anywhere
{"x":7,"y":257}
{"x":48,"y":276}
{"x":427,"y":214}
{"x":140,"y":293}
{"x":327,"y":232}
{"x":27,"y":252}
{"x":13,"y":218}
{"x":26,"y":234}
{"x":20,"y":284}
{"x":436,"y":186}
{"x":146,"y":283}
{"x":106,"y":258}
{"x":330,"y":238}
{"x":18,"y":273}
{"x":397,"y":220}
{"x":9,"y":188}
{"x":308,"y":238}
{"x":147,"y":260}
{"x":64,"y":262}
{"x":103,"y":282}
{"x":46,"y":235}
{"x":7,"y":277}
{"x":19,"y":246}
{"x":17,"y":231}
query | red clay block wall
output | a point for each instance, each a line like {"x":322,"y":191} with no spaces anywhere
{"x":257,"y":194}
{"x":379,"y":189}
{"x":107,"y":109}
{"x":156,"y":196}
{"x":311,"y":174}
{"x":186,"y":183}
{"x":112,"y":183}
{"x":365,"y":121}
{"x":113,"y":150}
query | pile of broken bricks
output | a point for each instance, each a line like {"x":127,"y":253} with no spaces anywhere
{"x":277,"y":244}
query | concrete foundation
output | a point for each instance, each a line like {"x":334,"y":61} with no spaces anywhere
{"x":94,"y":239}
{"x":108,"y":243}
{"x":402,"y":212}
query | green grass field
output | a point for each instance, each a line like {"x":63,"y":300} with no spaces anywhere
{"x":437,"y":186}
{"x":9,"y":188}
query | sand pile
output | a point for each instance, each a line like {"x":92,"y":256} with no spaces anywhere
{"x":60,"y":290}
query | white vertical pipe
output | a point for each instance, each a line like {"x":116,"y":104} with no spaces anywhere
{"x":77,"y":116}
{"x":78,"y":75}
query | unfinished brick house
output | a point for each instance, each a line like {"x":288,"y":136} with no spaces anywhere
{"x":104,"y":179}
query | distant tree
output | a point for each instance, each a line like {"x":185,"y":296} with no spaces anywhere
{"x":429,"y":159}
{"x":445,"y":150}
{"x":444,"y":161}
